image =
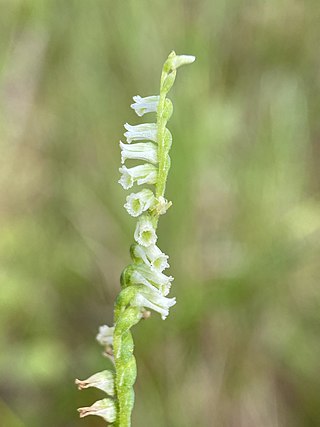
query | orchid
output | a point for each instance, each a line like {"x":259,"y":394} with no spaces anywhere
{"x":144,"y":284}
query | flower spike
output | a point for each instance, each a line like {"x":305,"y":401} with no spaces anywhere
{"x":144,"y":286}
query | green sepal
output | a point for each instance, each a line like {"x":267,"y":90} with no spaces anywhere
{"x":129,"y":317}
{"x":167,"y":139}
{"x":125,"y":277}
{"x":167,"y":66}
{"x":168,"y":82}
{"x":167,"y":110}
{"x":123,"y":300}
{"x":135,"y":259}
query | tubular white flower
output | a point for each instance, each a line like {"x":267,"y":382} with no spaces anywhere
{"x":146,"y":151}
{"x":104,"y":408}
{"x":142,"y":132}
{"x":137,"y":203}
{"x":151,"y":256}
{"x":156,"y":278}
{"x":179,"y":60}
{"x":158,"y":259}
{"x":149,"y":104}
{"x":153,"y":300}
{"x":145,"y":233}
{"x":141,"y":174}
{"x":102,"y":380}
{"x":105,"y":335}
{"x":137,"y":278}
{"x":143,"y":275}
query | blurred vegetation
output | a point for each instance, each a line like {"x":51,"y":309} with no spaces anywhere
{"x":241,"y":348}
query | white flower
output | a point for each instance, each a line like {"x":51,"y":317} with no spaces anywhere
{"x":153,"y":300}
{"x":151,"y":278}
{"x":102,"y":380}
{"x":142,"y":132}
{"x":104,"y":408}
{"x":145,"y":233}
{"x":142,"y":174}
{"x":179,"y":60}
{"x":137,"y":203}
{"x":146,"y":151}
{"x":151,"y":256}
{"x":105,"y":335}
{"x":149,"y":104}
{"x":158,"y":259}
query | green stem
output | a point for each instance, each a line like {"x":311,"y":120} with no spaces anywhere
{"x":125,"y":363}
{"x":163,"y":146}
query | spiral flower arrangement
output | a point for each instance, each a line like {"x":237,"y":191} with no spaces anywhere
{"x":144,"y":285}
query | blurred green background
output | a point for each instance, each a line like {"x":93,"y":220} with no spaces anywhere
{"x":241,"y":348}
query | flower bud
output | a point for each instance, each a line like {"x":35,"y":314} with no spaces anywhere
{"x":105,"y":335}
{"x":179,"y":60}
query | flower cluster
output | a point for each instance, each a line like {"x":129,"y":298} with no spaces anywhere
{"x":148,"y":260}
